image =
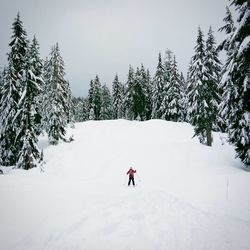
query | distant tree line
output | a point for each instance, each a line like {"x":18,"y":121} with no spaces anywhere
{"x":213,"y":97}
{"x":35,"y":96}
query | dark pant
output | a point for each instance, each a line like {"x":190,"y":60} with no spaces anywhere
{"x":131,"y":178}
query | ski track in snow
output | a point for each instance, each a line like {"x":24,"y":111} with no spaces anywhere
{"x":190,"y":196}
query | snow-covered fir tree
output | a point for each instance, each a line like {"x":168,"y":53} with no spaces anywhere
{"x":90,"y":99}
{"x":146,"y":92}
{"x":227,"y":106}
{"x":158,"y":90}
{"x":226,"y":86}
{"x":236,"y":79}
{"x":149,"y":89}
{"x":106,"y":112}
{"x":167,"y":73}
{"x":198,"y":94}
{"x":37,"y":67}
{"x":29,"y":155}
{"x":213,"y":74}
{"x":128,"y":94}
{"x":184,"y":99}
{"x":80,"y":109}
{"x":56,"y":104}
{"x":94,"y":98}
{"x":12,"y":90}
{"x":139,"y":95}
{"x":118,"y":98}
{"x":172,"y":92}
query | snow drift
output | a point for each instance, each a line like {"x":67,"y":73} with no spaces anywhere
{"x":188,"y":196}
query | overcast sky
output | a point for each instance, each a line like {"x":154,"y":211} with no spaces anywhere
{"x":104,"y":36}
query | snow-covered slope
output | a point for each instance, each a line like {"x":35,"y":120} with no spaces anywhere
{"x":188,"y":196}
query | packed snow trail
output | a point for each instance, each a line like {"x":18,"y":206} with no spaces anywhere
{"x":190,"y":196}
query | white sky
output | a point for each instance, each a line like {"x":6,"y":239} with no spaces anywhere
{"x":104,"y":37}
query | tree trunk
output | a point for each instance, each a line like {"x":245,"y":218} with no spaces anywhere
{"x":209,"y":137}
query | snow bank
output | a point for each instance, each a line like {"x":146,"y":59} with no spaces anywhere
{"x":188,"y":196}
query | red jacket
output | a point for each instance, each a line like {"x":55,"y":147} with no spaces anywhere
{"x":131,"y":172}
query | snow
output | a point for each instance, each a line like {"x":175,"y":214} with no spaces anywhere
{"x":188,"y":196}
{"x":244,"y":45}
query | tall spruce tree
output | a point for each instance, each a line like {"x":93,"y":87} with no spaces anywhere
{"x":29,"y":154}
{"x":149,"y":90}
{"x":198,"y":105}
{"x":158,"y":90}
{"x":97,"y":99}
{"x":12,"y":90}
{"x":36,"y":65}
{"x":146,"y":92}
{"x":237,"y":76}
{"x":118,"y":98}
{"x":80,"y":109}
{"x":106,"y":112}
{"x":213,"y":74}
{"x":167,"y":72}
{"x":139,"y":95}
{"x":91,"y":100}
{"x":184,"y":99}
{"x":94,"y":98}
{"x":56,"y":104}
{"x":228,"y":91}
{"x":173,"y":97}
{"x":128,"y":94}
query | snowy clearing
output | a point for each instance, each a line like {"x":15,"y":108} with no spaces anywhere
{"x":188,"y":196}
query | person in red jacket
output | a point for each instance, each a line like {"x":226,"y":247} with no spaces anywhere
{"x":131,"y":173}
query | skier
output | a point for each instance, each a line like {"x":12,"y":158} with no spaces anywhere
{"x":131,"y":176}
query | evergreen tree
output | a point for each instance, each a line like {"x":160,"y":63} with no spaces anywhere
{"x":149,"y":90}
{"x":90,"y":99}
{"x":236,"y":78}
{"x":12,"y":90}
{"x":56,"y":104}
{"x":118,"y":99}
{"x":213,"y":74}
{"x":227,"y":105}
{"x":94,"y":98}
{"x":158,"y":90}
{"x":168,"y":75}
{"x":184,"y":99}
{"x":139,"y":95}
{"x":36,"y":65}
{"x":85,"y":106}
{"x":80,"y":109}
{"x":97,"y":98}
{"x":29,"y":154}
{"x":106,"y":112}
{"x":172,"y":93}
{"x":197,"y":94}
{"x":128,"y":94}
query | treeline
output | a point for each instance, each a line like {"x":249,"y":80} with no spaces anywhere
{"x":212,"y":97}
{"x":140,"y":98}
{"x":35,"y":97}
